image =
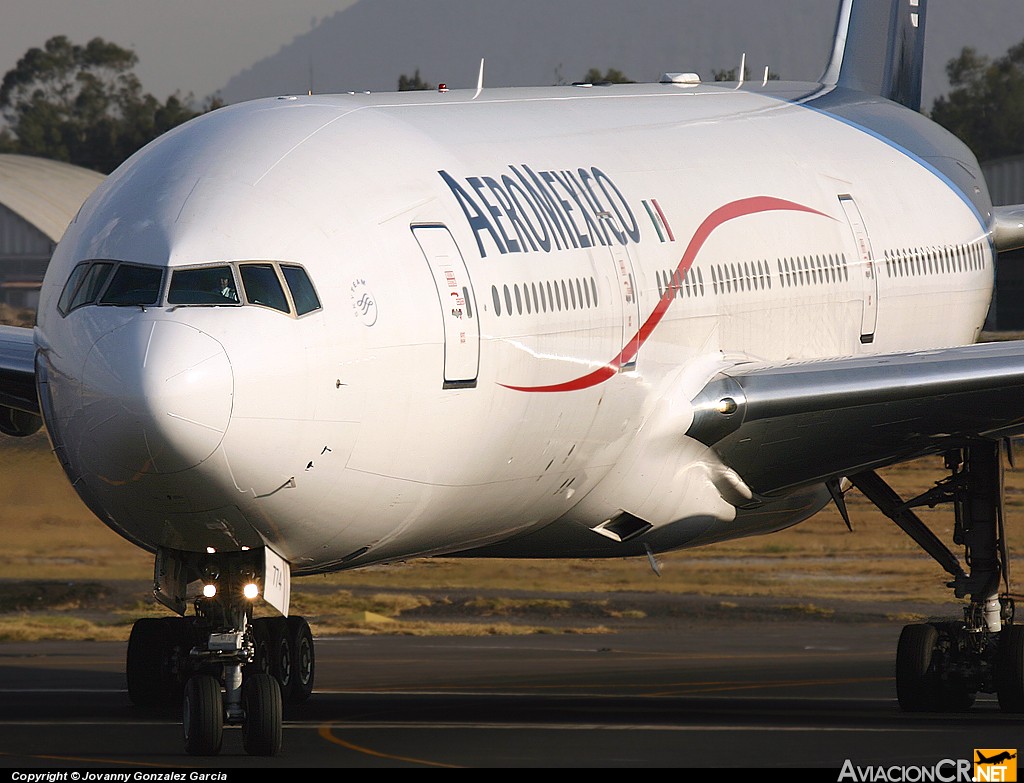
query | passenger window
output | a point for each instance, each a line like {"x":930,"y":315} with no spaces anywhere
{"x":209,"y":286}
{"x":301,"y":286}
{"x":92,"y":284}
{"x":134,"y":285}
{"x":262,"y":286}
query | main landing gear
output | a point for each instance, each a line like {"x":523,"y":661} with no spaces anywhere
{"x":222,"y":666}
{"x":942,"y":666}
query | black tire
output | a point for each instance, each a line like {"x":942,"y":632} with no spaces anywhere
{"x":261,"y":726}
{"x":203,"y":716}
{"x":281,"y":656}
{"x":303,"y":660}
{"x":916,"y":684}
{"x":148,"y":663}
{"x":1010,"y":669}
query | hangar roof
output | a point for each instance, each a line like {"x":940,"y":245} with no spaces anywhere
{"x":46,"y":193}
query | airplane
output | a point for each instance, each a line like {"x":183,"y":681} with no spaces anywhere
{"x":310,"y":333}
{"x":999,"y":757}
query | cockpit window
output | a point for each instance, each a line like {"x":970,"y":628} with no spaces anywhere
{"x":302,"y":290}
{"x":285,"y":287}
{"x":208,"y":286}
{"x":262,"y":286}
{"x":64,"y":303}
{"x":92,"y":284}
{"x":134,"y":285}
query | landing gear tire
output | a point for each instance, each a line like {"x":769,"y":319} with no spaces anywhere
{"x":149,"y":669}
{"x":1010,"y":669}
{"x":203,"y":716}
{"x":915,"y":683}
{"x":282,"y":666}
{"x":303,"y":660}
{"x":261,"y":727}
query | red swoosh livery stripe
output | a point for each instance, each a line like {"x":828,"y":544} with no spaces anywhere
{"x":730,"y":211}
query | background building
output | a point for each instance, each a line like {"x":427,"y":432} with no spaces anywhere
{"x":38,"y":199}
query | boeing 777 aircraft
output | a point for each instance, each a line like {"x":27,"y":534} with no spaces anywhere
{"x":312,"y":333}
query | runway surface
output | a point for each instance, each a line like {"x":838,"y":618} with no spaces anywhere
{"x":809,"y":694}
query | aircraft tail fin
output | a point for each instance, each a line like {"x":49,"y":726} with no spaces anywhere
{"x":879,"y":49}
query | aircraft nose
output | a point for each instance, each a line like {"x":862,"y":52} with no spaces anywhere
{"x":156,"y":396}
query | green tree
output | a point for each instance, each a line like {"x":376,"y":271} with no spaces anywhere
{"x":610,"y":76}
{"x":985,"y":105}
{"x":83,"y":105}
{"x":413,"y":82}
{"x":8,"y":144}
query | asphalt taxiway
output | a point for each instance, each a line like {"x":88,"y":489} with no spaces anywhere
{"x":782,"y":694}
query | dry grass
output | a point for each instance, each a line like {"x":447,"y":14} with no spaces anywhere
{"x":17,"y":316}
{"x":50,"y":535}
{"x":48,"y":531}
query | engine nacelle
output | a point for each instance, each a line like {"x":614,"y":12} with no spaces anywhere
{"x":18,"y":423}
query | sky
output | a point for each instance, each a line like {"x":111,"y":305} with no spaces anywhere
{"x":196,"y":46}
{"x":186,"y":46}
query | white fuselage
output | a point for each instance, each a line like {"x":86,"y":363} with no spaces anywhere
{"x":520,"y":295}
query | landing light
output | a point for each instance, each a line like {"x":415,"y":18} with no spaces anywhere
{"x":210,"y":550}
{"x":727,"y":405}
{"x":209,"y":590}
{"x":251,"y":590}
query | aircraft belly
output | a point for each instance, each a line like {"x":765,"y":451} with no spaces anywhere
{"x":389,"y":519}
{"x":567,"y":537}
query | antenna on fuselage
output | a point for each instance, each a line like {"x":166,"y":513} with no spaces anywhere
{"x":743,"y":67}
{"x":765,"y":82}
{"x":651,"y":561}
{"x":479,"y":80}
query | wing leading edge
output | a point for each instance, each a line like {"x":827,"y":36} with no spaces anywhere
{"x":1008,"y":227}
{"x":19,"y":401}
{"x":786,"y":425}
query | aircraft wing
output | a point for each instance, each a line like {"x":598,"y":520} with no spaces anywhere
{"x":17,"y":370}
{"x":783,"y":425}
{"x":1008,"y":227}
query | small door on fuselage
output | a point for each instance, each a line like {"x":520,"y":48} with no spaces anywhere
{"x":458,"y":305}
{"x":865,"y":261}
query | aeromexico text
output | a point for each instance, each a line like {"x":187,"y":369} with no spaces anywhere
{"x":526,"y":210}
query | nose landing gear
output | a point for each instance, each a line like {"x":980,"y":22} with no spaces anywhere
{"x":222,"y":666}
